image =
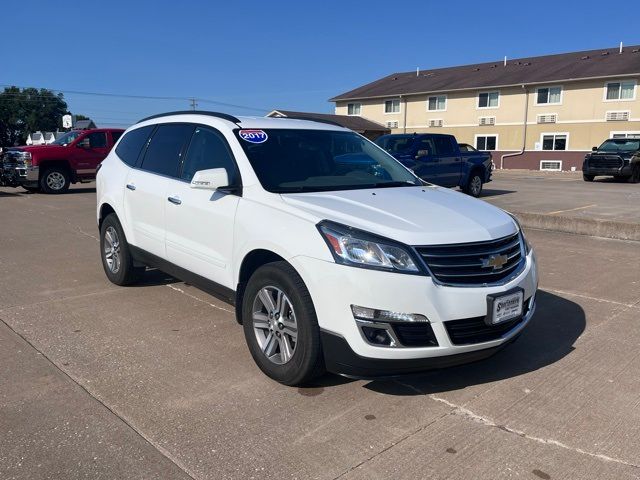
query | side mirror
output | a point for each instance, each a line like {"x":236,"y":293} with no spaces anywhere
{"x":594,"y":149}
{"x":211,"y":179}
{"x":84,"y":143}
{"x":422,"y":153}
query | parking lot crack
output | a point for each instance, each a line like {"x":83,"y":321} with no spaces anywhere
{"x":162,"y":451}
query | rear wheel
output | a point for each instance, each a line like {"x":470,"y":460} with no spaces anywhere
{"x":280,"y":325}
{"x":55,"y":180}
{"x":116,"y":255}
{"x":588,"y":178}
{"x":474,"y":185}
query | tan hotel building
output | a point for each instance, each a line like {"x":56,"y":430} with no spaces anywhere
{"x":539,"y":112}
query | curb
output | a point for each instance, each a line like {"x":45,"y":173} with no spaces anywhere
{"x":580,"y":226}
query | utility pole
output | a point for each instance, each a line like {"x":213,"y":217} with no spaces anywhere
{"x":194,"y":104}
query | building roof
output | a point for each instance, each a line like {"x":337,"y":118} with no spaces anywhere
{"x":84,"y":124}
{"x":36,"y":136}
{"x":352,"y":122}
{"x":601,"y":63}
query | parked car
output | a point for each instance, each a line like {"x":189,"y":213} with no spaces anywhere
{"x":52,"y":168}
{"x":335,"y":255}
{"x":616,"y":157}
{"x":438,"y":159}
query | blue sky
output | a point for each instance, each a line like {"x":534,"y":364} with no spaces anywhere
{"x":269,"y":54}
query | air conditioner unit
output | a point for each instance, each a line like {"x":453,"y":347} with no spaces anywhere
{"x":436,"y":122}
{"x":551,"y":165}
{"x":392,"y":124}
{"x":548,"y":118}
{"x":486,"y":120}
{"x":617,"y":116}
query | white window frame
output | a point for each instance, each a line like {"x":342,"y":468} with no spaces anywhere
{"x":384,"y":106}
{"x":478,"y":107}
{"x":628,"y":80}
{"x":623,"y":132}
{"x":475,"y":141}
{"x":549,"y":169}
{"x":543,"y":134}
{"x":549,"y":103}
{"x":437,"y":109}
{"x":359,"y":109}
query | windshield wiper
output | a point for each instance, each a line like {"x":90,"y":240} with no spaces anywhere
{"x":394,"y":184}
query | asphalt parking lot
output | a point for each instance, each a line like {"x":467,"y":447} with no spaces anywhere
{"x":155,"y":381}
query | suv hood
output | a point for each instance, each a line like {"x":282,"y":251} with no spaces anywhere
{"x":411,"y":215}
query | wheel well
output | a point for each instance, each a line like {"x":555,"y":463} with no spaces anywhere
{"x":105,"y":210}
{"x":44,"y":164}
{"x":251,"y":262}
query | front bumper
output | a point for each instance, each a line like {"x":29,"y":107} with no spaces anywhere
{"x":334,"y":288}
{"x":15,"y":175}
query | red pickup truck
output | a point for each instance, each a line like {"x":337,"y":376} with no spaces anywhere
{"x":72,"y":158}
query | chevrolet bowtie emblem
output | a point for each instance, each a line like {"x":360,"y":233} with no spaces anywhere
{"x":495,"y":261}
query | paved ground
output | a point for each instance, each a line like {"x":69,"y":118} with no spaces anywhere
{"x":564,"y":194}
{"x":155,"y":381}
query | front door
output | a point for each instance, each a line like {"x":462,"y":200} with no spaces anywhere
{"x":449,"y":161}
{"x":89,"y":151}
{"x":200,"y":223}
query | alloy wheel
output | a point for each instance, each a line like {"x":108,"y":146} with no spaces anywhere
{"x":112,"y":249}
{"x":55,"y":180}
{"x":275,"y":325}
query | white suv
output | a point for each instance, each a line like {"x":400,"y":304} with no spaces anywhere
{"x":335,"y":255}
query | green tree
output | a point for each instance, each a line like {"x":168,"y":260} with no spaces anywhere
{"x":26,"y":110}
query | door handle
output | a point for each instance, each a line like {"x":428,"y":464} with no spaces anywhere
{"x":131,"y":186}
{"x":174,"y":200}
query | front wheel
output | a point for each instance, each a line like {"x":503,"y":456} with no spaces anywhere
{"x":588,"y":178}
{"x":635,"y":174}
{"x":474,"y":185}
{"x":280,"y":325}
{"x":55,"y":180}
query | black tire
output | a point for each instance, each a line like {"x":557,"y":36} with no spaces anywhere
{"x":474,"y":184}
{"x":306,"y":362}
{"x":31,"y":189}
{"x":126,"y":273}
{"x":635,"y":174}
{"x":55,"y":180}
{"x":588,"y":178}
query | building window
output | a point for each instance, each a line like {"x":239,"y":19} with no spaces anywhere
{"x":437,"y":103}
{"x":353,"y":109}
{"x":624,"y":135}
{"x":554,"y":141}
{"x":486,"y":142}
{"x":620,"y":90}
{"x":392,"y":106}
{"x":549,"y":96}
{"x":488,"y":99}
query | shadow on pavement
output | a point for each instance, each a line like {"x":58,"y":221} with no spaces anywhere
{"x":549,"y":337}
{"x":491,"y":192}
{"x":154,"y":277}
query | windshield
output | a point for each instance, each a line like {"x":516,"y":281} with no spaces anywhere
{"x":289,"y":161}
{"x":620,"y":145}
{"x":67,"y":138}
{"x":395,"y":143}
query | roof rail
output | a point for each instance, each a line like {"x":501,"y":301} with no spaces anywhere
{"x":224,"y":116}
{"x":309,"y":119}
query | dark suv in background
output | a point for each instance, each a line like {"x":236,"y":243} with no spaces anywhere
{"x":616,"y":157}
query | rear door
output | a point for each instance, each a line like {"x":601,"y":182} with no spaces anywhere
{"x":199,"y":223}
{"x":448,"y":159}
{"x":144,"y":196}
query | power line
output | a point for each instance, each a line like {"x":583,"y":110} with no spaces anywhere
{"x":140,"y":97}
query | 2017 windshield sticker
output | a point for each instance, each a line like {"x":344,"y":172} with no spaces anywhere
{"x":253,"y":136}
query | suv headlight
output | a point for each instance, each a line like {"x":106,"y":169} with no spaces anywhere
{"x":350,"y":246}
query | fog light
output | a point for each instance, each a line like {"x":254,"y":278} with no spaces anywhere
{"x":374,"y":315}
{"x":377,"y":336}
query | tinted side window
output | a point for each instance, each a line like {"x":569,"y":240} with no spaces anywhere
{"x":131,"y":145}
{"x":444,"y":146}
{"x":165,"y":147}
{"x":97,"y":139}
{"x":208,"y":150}
{"x":115,"y":136}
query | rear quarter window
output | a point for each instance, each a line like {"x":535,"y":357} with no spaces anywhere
{"x":128,"y":150}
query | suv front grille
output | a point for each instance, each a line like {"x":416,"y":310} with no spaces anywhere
{"x":475,"y":263}
{"x":475,"y":330}
{"x":605,"y":162}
